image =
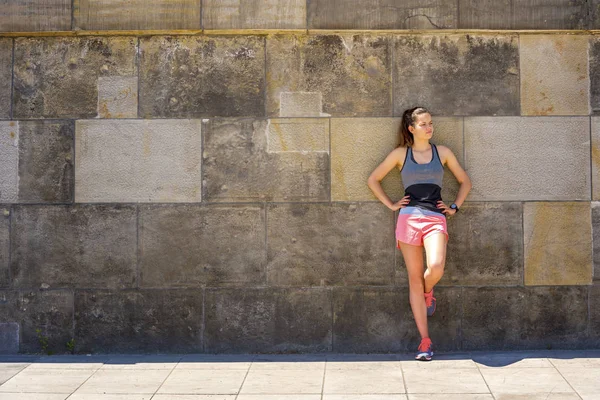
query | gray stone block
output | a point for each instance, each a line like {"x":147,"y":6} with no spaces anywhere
{"x":351,"y":72}
{"x":193,"y":245}
{"x":197,"y":76}
{"x":457,"y":74}
{"x":9,"y":338}
{"x":595,"y":158}
{"x":9,"y":161}
{"x":137,"y":321}
{"x":254,"y":14}
{"x":330,"y":244}
{"x":81,"y":246}
{"x":381,"y":320}
{"x":49,"y":311}
{"x":5,"y":212}
{"x":595,"y":315}
{"x":46,"y":161}
{"x":6,"y":46}
{"x":548,"y":166}
{"x":523,"y":14}
{"x":268,"y":320}
{"x":136,"y":14}
{"x":594,"y":66}
{"x":596,"y":241}
{"x":485,"y":246}
{"x":524,"y":318}
{"x":238,"y":167}
{"x":117,"y":97}
{"x":138,"y":161}
{"x":35,"y":15}
{"x":47,"y":86}
{"x":382,"y":14}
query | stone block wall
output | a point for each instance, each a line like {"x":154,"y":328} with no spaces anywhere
{"x":205,"y":190}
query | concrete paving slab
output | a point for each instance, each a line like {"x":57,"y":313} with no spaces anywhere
{"x":540,"y":396}
{"x":525,"y":380}
{"x":364,"y":381}
{"x":146,"y":381}
{"x":110,"y":397}
{"x":585,"y":381}
{"x":203,"y":381}
{"x":8,"y":372}
{"x":461,"y":396}
{"x":46,"y":381}
{"x":142,"y":362}
{"x":301,"y":381}
{"x":364,"y":397}
{"x":446,"y":380}
{"x":194,"y":397}
{"x":33,"y":396}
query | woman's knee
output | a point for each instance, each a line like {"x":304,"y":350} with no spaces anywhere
{"x":436,"y":267}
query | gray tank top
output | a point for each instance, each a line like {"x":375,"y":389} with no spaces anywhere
{"x":423,"y":182}
{"x":414,"y":173}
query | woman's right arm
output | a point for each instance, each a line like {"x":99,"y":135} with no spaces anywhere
{"x":394,"y":159}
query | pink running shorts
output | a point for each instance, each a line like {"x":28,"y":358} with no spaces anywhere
{"x":415,"y":224}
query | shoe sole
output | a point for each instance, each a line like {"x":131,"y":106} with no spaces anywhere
{"x":424,"y":357}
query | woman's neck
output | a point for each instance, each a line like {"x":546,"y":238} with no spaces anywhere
{"x":421,"y":145}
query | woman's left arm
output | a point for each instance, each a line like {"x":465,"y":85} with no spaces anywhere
{"x":449,"y":159}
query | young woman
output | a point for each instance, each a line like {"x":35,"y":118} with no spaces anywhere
{"x":422,"y":218}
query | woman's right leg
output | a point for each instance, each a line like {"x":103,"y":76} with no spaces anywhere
{"x":413,"y":257}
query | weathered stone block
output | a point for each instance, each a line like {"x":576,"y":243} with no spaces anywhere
{"x":524,"y":318}
{"x":4,"y":245}
{"x":554,"y":75}
{"x":558,"y":243}
{"x":136,"y":14}
{"x":330,"y":244}
{"x":268,"y":320}
{"x":194,"y":245}
{"x":298,"y":134}
{"x":351,"y":72}
{"x":138,"y":161}
{"x":255,"y":14}
{"x":596,"y":241}
{"x":35,"y":15}
{"x":594,"y":71}
{"x":547,"y":164}
{"x":457,"y":74}
{"x":381,"y":320}
{"x":9,"y":161}
{"x":485,"y":246}
{"x":89,"y":246}
{"x":595,"y":158}
{"x":354,"y":155}
{"x":47,"y":86}
{"x":238,"y":167}
{"x":595,"y":314}
{"x":301,"y":104}
{"x":9,"y":338}
{"x":202,"y":76}
{"x":523,"y":14}
{"x":6,"y":46}
{"x":46,"y":161}
{"x":382,"y":14}
{"x":49,"y":311}
{"x":134,"y":321}
{"x":117,"y":97}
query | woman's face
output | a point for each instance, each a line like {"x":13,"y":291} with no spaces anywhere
{"x":423,"y":127}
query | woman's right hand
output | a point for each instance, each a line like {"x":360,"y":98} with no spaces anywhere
{"x":401,"y":203}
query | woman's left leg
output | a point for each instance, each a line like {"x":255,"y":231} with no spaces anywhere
{"x":435,"y":250}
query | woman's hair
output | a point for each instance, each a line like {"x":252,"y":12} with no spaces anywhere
{"x":408,"y":118}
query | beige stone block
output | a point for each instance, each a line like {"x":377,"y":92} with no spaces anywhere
{"x":300,"y":104}
{"x":518,"y":158}
{"x":358,"y":145}
{"x":554,"y":75}
{"x":136,"y":14}
{"x":558,"y":243}
{"x":9,"y":161}
{"x":254,"y":14}
{"x":137,"y":161}
{"x":595,"y":158}
{"x":35,"y":15}
{"x":117,"y":97}
{"x":298,"y":134}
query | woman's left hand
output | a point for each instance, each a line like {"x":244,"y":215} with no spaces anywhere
{"x":445,"y":209}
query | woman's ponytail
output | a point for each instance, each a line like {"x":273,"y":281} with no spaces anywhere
{"x":408,"y":118}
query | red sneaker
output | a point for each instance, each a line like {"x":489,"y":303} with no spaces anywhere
{"x":430,"y":303}
{"x":425,"y":351}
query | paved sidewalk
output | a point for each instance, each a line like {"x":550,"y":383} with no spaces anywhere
{"x":555,"y":375}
